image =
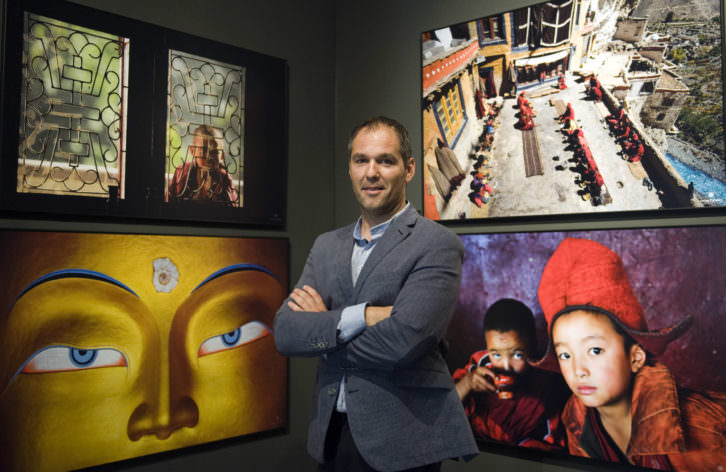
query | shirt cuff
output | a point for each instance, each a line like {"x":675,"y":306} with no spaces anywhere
{"x":352,"y":322}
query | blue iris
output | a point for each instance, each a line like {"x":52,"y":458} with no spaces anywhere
{"x":231,"y":338}
{"x":83,"y":357}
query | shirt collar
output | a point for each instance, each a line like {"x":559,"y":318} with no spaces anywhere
{"x":378,"y":230}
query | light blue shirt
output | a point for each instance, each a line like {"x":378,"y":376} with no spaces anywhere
{"x":353,"y":318}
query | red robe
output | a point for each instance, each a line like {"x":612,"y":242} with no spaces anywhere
{"x":184,"y":185}
{"x":530,"y":419}
{"x":672,"y":428}
{"x":569,"y":114}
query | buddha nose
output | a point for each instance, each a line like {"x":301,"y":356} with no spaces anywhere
{"x":150,"y":419}
{"x":165,"y":408}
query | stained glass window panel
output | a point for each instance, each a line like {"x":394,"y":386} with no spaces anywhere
{"x":73,"y":110}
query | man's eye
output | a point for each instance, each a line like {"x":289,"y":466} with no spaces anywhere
{"x":595,"y":351}
{"x":518,"y":356}
{"x":563,"y":356}
{"x":65,"y":358}
{"x":245,"y":334}
{"x":495,"y":355}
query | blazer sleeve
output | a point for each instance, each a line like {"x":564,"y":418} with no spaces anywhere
{"x":421,"y":310}
{"x":307,"y":334}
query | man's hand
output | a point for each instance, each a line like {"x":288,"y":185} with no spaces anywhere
{"x":374,"y":314}
{"x":306,"y":299}
{"x":480,"y":379}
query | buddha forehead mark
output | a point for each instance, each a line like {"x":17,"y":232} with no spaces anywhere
{"x":165,"y":275}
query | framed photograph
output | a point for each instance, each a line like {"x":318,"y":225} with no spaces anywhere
{"x":107,"y":116}
{"x":117,"y":346}
{"x":574,"y":107}
{"x":516,"y":300}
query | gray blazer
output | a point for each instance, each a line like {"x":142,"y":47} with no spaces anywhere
{"x":402,"y":406}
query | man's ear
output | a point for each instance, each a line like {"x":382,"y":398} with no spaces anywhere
{"x":410,"y":169}
{"x":637,"y":358}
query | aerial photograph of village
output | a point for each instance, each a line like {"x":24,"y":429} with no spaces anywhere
{"x":574,"y":106}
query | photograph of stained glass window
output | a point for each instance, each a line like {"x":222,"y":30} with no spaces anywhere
{"x":205,"y":130}
{"x":73,"y":110}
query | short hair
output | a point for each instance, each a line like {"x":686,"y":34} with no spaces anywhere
{"x":404,"y":141}
{"x":208,"y":133}
{"x":508,"y":314}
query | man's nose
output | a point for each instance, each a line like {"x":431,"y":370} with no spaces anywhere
{"x":372,"y":170}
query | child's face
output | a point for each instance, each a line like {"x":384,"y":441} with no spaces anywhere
{"x":593,"y":359}
{"x":507,"y":350}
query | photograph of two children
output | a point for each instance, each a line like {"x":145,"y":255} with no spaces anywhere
{"x":602,"y":344}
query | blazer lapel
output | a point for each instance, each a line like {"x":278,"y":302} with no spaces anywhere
{"x":340,"y":257}
{"x":399,"y":230}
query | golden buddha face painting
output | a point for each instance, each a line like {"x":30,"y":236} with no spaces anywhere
{"x":116,"y":346}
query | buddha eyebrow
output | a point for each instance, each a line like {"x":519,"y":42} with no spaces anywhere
{"x":235,"y":268}
{"x":74,"y":273}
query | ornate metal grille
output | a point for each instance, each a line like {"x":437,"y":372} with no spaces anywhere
{"x":73,"y":112}
{"x":205,"y":133}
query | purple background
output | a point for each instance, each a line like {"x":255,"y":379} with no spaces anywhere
{"x":673,"y":271}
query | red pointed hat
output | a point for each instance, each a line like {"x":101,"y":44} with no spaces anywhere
{"x":585,"y":275}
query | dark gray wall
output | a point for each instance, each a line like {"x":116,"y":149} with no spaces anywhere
{"x":378,"y":71}
{"x":348,"y":60}
{"x":303,"y":33}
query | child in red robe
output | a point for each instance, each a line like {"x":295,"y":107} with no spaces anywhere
{"x":528,"y":414}
{"x":626,"y":406}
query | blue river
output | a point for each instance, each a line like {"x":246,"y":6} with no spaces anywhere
{"x":713,"y":189}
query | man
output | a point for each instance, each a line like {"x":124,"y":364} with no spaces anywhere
{"x":374,"y":301}
{"x":204,"y":177}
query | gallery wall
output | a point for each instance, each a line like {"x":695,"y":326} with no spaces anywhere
{"x":378,"y":72}
{"x":348,"y":60}
{"x":302,"y":33}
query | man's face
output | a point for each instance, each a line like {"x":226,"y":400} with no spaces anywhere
{"x":116,"y":346}
{"x":592,"y":358}
{"x":507,"y":351}
{"x":205,"y":150}
{"x":379,"y":173}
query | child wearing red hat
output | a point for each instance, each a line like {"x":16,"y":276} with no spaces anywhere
{"x":626,"y":406}
{"x":505,"y":398}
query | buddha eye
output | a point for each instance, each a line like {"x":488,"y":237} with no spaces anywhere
{"x":65,"y":358}
{"x":245,"y":334}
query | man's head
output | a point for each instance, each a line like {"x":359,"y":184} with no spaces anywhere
{"x":206,"y":148}
{"x":403,"y":138}
{"x":509,"y":332}
{"x":379,"y":167}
